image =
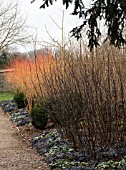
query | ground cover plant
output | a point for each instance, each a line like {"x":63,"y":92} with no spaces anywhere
{"x":8,"y":105}
{"x":6,"y":96}
{"x":60,"y":153}
{"x":19,"y":116}
{"x":86,"y":95}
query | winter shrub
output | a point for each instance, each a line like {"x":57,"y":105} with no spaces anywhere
{"x":39,"y":116}
{"x":20,"y":99}
{"x":53,"y":108}
{"x":88,"y":94}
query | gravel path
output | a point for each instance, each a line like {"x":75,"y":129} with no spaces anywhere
{"x":14,"y":153}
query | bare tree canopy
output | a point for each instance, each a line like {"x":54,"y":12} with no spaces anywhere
{"x":113,"y":12}
{"x":12,"y":26}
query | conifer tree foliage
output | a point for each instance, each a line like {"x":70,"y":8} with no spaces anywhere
{"x":112,"y":11}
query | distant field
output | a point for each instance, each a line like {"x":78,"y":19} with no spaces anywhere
{"x":6,"y":96}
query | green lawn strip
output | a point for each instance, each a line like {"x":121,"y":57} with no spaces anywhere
{"x":6,"y":96}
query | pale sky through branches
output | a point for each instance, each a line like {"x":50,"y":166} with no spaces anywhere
{"x":38,"y":20}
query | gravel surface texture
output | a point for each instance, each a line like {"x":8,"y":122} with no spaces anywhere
{"x":16,"y":154}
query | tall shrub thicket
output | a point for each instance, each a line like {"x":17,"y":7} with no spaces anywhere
{"x":28,"y":76}
{"x":86,"y":94}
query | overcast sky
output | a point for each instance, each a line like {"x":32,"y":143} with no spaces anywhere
{"x":41,"y":18}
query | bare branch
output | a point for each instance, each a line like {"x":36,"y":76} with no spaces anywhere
{"x":12,"y":26}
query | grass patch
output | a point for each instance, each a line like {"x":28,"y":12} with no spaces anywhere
{"x":6,"y":96}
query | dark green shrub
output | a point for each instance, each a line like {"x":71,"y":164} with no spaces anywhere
{"x":20,"y":99}
{"x":39,"y":116}
{"x":71,"y":103}
{"x":53,"y":108}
